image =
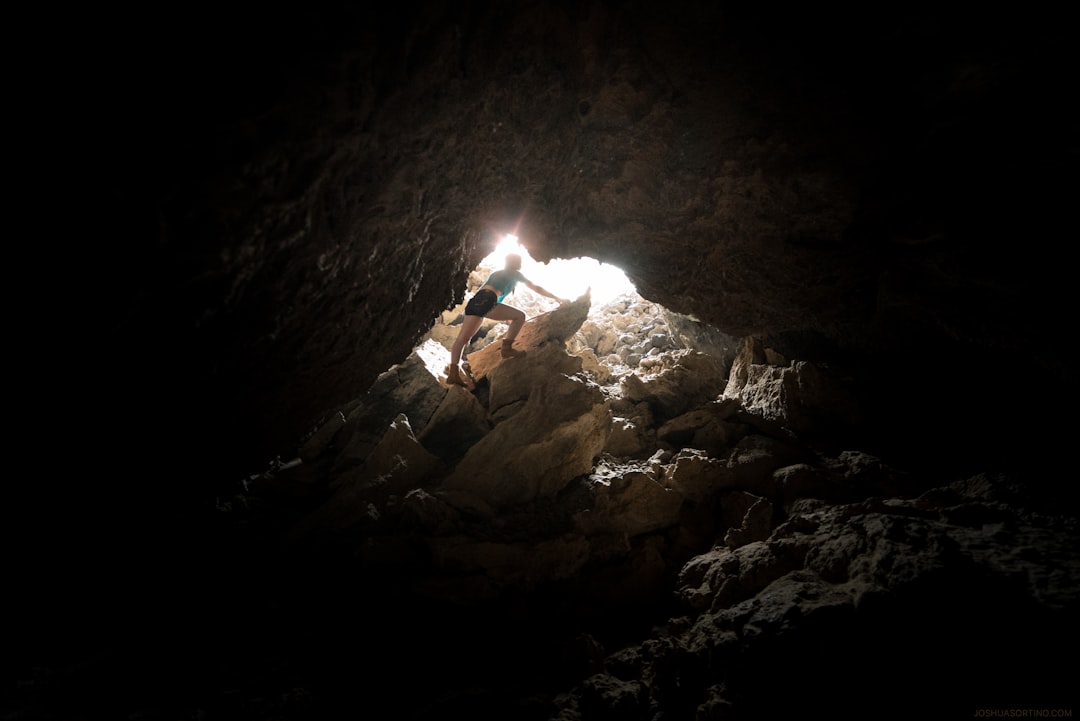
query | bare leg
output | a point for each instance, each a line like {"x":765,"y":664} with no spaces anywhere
{"x":469,"y":326}
{"x":509,"y":313}
{"x":516,"y":319}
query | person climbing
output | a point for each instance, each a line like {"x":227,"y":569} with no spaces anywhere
{"x":487,"y":303}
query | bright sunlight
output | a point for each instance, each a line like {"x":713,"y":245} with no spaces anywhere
{"x":565,"y":278}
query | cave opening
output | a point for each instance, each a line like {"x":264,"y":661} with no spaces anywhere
{"x":614,"y":307}
{"x":566,"y":277}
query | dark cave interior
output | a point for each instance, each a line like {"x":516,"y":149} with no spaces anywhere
{"x":261,"y":209}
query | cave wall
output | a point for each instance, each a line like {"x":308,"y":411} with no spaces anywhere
{"x":276,"y":203}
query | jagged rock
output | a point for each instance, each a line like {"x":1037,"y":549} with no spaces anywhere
{"x":465,"y":503}
{"x":756,"y":524}
{"x":597,"y":337}
{"x":688,"y":379}
{"x":457,"y":424}
{"x":554,"y":438}
{"x":606,"y":697}
{"x":512,"y":381}
{"x":896,"y":568}
{"x":631,"y":437}
{"x":630,"y":502}
{"x":692,"y":333}
{"x":402,"y":462}
{"x":750,"y":354}
{"x":763,"y":391}
{"x":802,"y":398}
{"x":408,"y":387}
{"x":599,"y":372}
{"x":806,"y":397}
{"x":756,"y":457}
{"x":722,"y":577}
{"x":706,"y":427}
{"x":863,"y":474}
{"x":697,"y":475}
{"x":396,"y":465}
{"x":803,"y":480}
{"x":429,"y":513}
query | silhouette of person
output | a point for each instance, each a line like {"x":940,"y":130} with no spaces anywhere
{"x":487,"y":303}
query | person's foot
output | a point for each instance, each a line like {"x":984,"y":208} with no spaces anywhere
{"x":508,"y":351}
{"x":453,"y":377}
{"x":466,"y":370}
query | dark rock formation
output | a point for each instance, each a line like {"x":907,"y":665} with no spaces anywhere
{"x":252,"y":216}
{"x":280,"y":202}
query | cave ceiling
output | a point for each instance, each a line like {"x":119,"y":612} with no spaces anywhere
{"x":285,"y":198}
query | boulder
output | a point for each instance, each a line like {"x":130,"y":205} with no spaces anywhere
{"x":553,"y":439}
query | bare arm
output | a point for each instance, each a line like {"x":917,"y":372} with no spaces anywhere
{"x":543,"y":291}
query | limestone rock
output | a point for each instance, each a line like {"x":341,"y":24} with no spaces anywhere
{"x":457,"y":424}
{"x":863,"y":474}
{"x":706,"y":427}
{"x":805,"y":397}
{"x":697,"y":475}
{"x":554,"y":438}
{"x":599,"y":372}
{"x":631,"y":437}
{"x":750,"y":354}
{"x":803,"y":480}
{"x":397,"y":465}
{"x":429,"y":513}
{"x":688,"y":379}
{"x":632,"y":503}
{"x":756,"y":457}
{"x":756,"y":524}
{"x":512,"y":381}
{"x":723,"y":576}
{"x":408,"y":387}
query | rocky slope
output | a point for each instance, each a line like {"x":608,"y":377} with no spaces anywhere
{"x":573,"y":540}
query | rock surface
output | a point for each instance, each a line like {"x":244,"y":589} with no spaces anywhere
{"x":765,"y":576}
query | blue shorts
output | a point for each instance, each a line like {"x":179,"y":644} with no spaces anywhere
{"x":481,"y":303}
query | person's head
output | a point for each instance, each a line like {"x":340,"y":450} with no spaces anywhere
{"x":513,"y":261}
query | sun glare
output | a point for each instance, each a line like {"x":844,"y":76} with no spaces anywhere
{"x":568,"y":278}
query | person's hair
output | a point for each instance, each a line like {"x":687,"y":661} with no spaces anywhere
{"x":513,"y":258}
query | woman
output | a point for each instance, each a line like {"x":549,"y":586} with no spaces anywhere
{"x":487,"y":303}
